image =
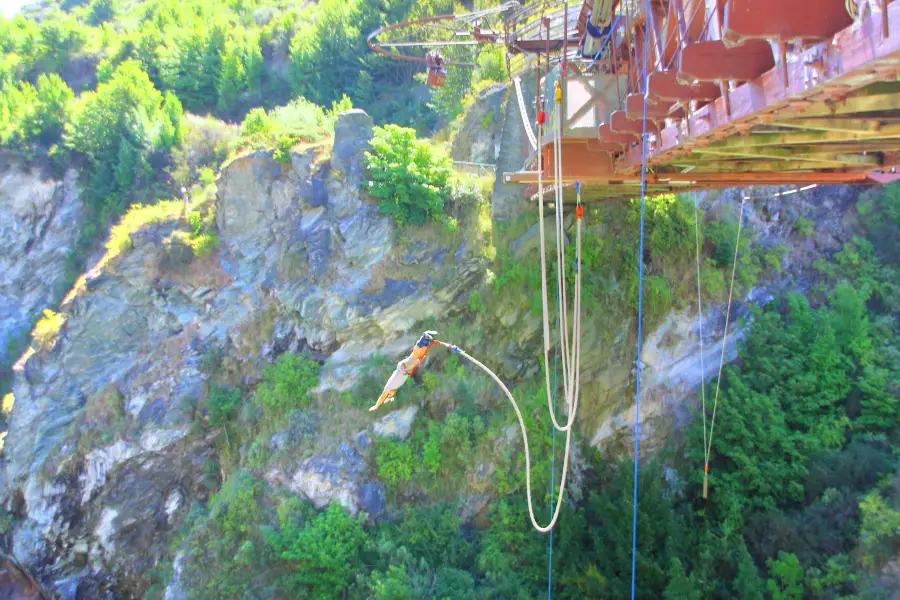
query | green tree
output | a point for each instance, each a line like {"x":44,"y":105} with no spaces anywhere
{"x":447,"y":101}
{"x":680,"y":587}
{"x":879,"y":535}
{"x":100,"y":11}
{"x":232,"y":78}
{"x":748,"y":584}
{"x":326,"y":55}
{"x":126,"y":163}
{"x":324,"y":555}
{"x":407,"y":175}
{"x":128,"y":106}
{"x":788,"y":581}
{"x":58,"y":41}
{"x":171,"y":134}
{"x":396,"y":462}
{"x":51,"y":106}
{"x":222,"y":404}
{"x":392,"y":585}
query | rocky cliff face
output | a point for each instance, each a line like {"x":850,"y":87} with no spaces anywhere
{"x":101,"y":461}
{"x":40,"y":223}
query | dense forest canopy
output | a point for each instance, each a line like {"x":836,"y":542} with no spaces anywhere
{"x":147,"y":97}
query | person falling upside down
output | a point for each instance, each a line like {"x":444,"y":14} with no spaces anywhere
{"x":406,"y":367}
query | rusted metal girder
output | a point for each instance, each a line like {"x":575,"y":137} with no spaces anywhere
{"x":815,"y":103}
{"x":665,"y":86}
{"x":581,"y":163}
{"x":854,"y":58}
{"x":715,"y":61}
{"x":784,"y":20}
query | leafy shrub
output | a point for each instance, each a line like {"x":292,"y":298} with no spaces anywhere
{"x":222,"y":404}
{"x":207,"y":143}
{"x":207,"y":176}
{"x":211,"y":360}
{"x":105,"y":406}
{"x":323,"y":554}
{"x":804,"y":227}
{"x":396,"y":462}
{"x":283,"y":149}
{"x":225,"y":545}
{"x":773,"y":257}
{"x":476,"y":302}
{"x":203,"y":245}
{"x":256,"y":123}
{"x":408,"y":176}
{"x":282,"y":128}
{"x":286,"y":383}
{"x":712,"y":280}
{"x":301,"y":120}
{"x":491,"y":65}
{"x":670,"y":222}
{"x":722,"y":234}
{"x":9,"y":400}
{"x":339,"y":106}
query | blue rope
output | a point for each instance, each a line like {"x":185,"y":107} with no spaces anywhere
{"x":553,"y":451}
{"x":637,"y":392}
{"x":606,"y":41}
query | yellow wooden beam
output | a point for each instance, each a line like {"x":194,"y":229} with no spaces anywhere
{"x":801,"y":154}
{"x":854,"y":105}
{"x":805,"y":138}
{"x":825,"y":124}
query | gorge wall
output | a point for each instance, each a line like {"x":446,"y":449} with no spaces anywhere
{"x":103,"y":458}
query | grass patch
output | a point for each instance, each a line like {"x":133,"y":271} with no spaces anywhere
{"x":137,"y":217}
{"x":47,"y":329}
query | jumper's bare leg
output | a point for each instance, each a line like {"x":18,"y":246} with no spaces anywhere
{"x":387,"y":395}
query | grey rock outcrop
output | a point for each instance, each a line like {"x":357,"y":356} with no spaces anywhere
{"x":102,"y":464}
{"x":41,"y":217}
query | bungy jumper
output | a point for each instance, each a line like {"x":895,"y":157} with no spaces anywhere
{"x":406,"y":367}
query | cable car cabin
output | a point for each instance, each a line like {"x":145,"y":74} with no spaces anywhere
{"x":437,"y":74}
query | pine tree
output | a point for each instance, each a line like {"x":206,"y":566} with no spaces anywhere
{"x":126,"y":164}
{"x":681,"y":587}
{"x":171,"y":135}
{"x":748,"y":585}
{"x":232,"y":78}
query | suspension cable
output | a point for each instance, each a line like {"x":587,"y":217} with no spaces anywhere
{"x":700,"y":320}
{"x":712,"y":424}
{"x":637,"y":389}
{"x":522,"y":110}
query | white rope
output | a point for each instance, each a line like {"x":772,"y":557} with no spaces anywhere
{"x":700,"y":316}
{"x":512,"y":400}
{"x":560,"y":264}
{"x":544,"y":299}
{"x":525,"y":122}
{"x":571,"y":355}
{"x":853,"y":8}
{"x":724,"y":343}
{"x":570,"y":371}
